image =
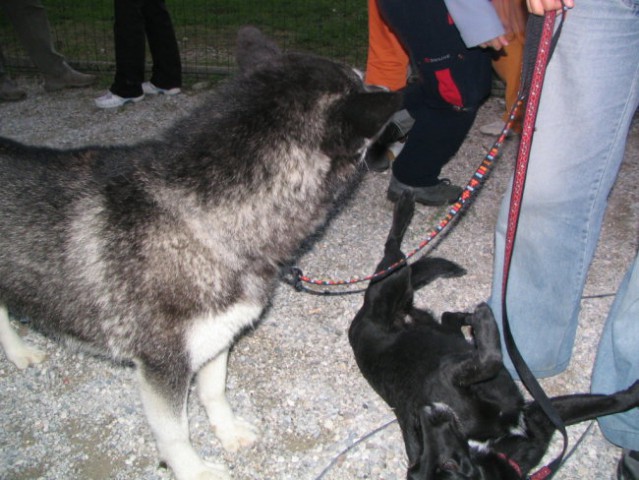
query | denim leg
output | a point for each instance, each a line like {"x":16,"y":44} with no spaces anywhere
{"x":617,"y":364}
{"x":590,"y":95}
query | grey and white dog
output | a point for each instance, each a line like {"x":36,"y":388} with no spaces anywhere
{"x":163,"y":252}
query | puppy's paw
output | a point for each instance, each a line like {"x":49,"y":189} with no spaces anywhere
{"x":455,"y":320}
{"x":236,"y":435}
{"x":214,"y":471}
{"x":483,"y":313}
{"x":22,"y":355}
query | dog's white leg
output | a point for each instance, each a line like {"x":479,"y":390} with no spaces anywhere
{"x":18,"y":352}
{"x":171,"y":430}
{"x":233,"y":432}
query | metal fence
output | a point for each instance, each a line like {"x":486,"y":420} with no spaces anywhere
{"x":83,"y":31}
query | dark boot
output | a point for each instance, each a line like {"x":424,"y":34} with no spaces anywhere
{"x":442,"y":193}
{"x":70,"y":78}
{"x":9,"y":90}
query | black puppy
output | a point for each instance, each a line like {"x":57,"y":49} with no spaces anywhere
{"x":446,"y":390}
{"x":447,"y":454}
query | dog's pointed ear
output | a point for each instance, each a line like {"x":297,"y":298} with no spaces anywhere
{"x":368,"y":112}
{"x":254,"y":49}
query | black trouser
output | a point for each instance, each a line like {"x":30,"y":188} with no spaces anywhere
{"x":135,"y":22}
{"x":452,"y":83}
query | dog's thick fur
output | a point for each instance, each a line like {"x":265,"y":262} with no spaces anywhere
{"x":447,"y":391}
{"x":163,"y":252}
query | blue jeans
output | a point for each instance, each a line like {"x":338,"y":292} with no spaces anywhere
{"x":590,"y":95}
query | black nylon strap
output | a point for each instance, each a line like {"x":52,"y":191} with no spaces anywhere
{"x":534,"y":30}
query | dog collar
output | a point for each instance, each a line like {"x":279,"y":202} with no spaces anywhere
{"x":541,"y":474}
{"x":515,"y":466}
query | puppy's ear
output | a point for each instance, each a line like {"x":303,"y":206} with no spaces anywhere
{"x":254,"y":49}
{"x":448,"y":446}
{"x":368,"y":112}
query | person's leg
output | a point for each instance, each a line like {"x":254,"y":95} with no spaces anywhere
{"x":444,"y":105}
{"x":31,"y":23}
{"x":167,"y":67}
{"x":453,"y":81}
{"x":434,"y":138}
{"x":387,"y":65}
{"x":387,"y":61}
{"x":617,"y":364}
{"x":508,"y":62}
{"x":9,"y":91}
{"x":508,"y":67}
{"x":579,"y":143}
{"x":29,"y":18}
{"x":130,"y":45}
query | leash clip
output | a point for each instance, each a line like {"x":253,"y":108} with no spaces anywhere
{"x":294,"y":278}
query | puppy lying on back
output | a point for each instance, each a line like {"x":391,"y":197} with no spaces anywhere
{"x":446,"y":390}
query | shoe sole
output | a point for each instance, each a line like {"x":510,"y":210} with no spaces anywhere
{"x":158,"y":91}
{"x":57,"y":88}
{"x":121,"y":104}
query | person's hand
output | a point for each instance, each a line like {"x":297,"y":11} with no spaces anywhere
{"x":539,"y":7}
{"x":496,"y":43}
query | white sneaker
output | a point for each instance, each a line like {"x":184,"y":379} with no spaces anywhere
{"x":111,"y":100}
{"x":150,"y":89}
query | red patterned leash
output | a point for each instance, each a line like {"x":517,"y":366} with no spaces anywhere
{"x":542,"y":56}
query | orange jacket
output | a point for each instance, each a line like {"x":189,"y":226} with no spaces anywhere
{"x":387,"y":62}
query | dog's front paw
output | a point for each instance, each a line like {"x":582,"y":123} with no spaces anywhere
{"x":22,"y":355}
{"x":236,"y":435}
{"x":214,"y":471}
{"x":198,"y":469}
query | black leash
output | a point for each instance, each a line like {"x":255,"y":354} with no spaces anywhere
{"x":539,"y":46}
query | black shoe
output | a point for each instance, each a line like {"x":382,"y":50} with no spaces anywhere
{"x":443,"y":193}
{"x":628,"y":466}
{"x":377,"y":157}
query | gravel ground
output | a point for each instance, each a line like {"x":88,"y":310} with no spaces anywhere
{"x":78,"y":417}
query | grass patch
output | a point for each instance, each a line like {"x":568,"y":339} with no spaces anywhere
{"x":206,"y":30}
